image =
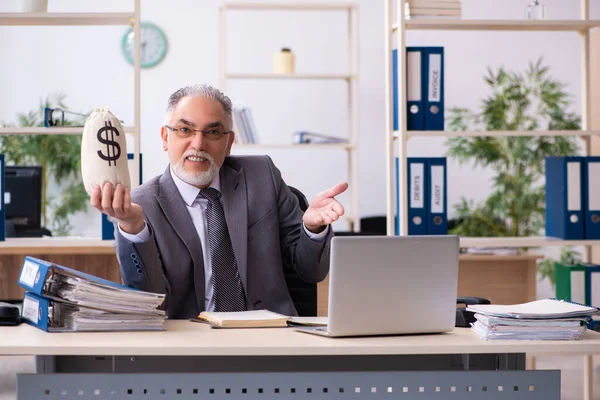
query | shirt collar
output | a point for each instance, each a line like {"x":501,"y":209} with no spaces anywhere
{"x":190,"y":192}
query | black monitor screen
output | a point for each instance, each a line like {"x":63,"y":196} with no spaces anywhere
{"x":23,"y":197}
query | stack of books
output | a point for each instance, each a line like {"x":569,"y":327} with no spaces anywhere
{"x":547,"y":319}
{"x":433,"y":8}
{"x":60,"y":299}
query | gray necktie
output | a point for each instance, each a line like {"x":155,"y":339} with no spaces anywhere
{"x":228,"y":292}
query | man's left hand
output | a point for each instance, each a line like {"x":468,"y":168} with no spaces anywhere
{"x":324,"y":209}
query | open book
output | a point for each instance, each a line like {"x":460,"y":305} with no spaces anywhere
{"x":256,"y":319}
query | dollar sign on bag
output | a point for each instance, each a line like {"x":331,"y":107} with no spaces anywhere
{"x":116,"y":152}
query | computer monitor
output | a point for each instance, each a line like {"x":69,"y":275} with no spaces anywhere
{"x":23,"y":200}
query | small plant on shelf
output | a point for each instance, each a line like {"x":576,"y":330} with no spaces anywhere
{"x":59,"y":156}
{"x":527,"y":101}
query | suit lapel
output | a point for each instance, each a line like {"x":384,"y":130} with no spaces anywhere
{"x":175,"y":211}
{"x":235,"y":204}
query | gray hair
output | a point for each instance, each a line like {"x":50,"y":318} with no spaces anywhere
{"x":200,"y":90}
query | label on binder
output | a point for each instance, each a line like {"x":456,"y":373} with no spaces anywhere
{"x":435,"y":77}
{"x":417,"y":189}
{"x":593,"y":190}
{"x":437,"y":189}
{"x":413,"y":80}
{"x":28,"y":274}
{"x":30,"y":309}
{"x":573,"y":186}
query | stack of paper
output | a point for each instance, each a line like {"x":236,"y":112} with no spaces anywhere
{"x":432,"y":8}
{"x":63,"y":299}
{"x":547,"y":319}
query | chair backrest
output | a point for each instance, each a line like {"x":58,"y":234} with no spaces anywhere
{"x":303,"y":294}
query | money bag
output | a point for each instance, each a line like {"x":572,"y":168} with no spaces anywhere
{"x":103,"y":151}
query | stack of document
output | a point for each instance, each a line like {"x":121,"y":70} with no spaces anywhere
{"x":433,"y":8}
{"x":63,"y":299}
{"x":547,"y":319}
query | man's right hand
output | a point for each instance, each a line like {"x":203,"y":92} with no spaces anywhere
{"x":117,"y":204}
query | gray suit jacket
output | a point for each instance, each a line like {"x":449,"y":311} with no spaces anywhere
{"x":265,"y":225}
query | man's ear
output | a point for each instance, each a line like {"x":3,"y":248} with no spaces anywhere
{"x":164,"y":134}
{"x":230,"y":141}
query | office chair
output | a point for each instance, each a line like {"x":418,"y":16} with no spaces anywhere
{"x":303,"y":294}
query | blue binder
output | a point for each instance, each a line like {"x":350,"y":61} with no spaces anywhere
{"x":395,"y":87}
{"x":434,"y":88}
{"x":415,"y":88}
{"x":591,"y":197}
{"x":35,"y":310}
{"x":564,"y":198}
{"x":2,"y":209}
{"x":437,"y":204}
{"x":417,"y":194}
{"x":37,"y":276}
{"x":108,"y":229}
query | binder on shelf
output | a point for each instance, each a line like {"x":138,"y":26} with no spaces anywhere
{"x":434,"y":88}
{"x":571,"y":283}
{"x":437,"y":204}
{"x":395,"y":88}
{"x":591,"y":190}
{"x":415,"y":88}
{"x":417,"y":194}
{"x":564,"y":198}
{"x":2,"y":209}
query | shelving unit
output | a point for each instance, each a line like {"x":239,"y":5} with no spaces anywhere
{"x":351,"y":78}
{"x":87,"y":19}
{"x":398,"y":140}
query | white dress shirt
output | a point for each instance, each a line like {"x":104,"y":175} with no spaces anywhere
{"x":196,"y":207}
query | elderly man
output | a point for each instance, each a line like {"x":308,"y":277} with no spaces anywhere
{"x":214,"y":231}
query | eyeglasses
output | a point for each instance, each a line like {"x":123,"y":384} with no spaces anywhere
{"x":185,"y":132}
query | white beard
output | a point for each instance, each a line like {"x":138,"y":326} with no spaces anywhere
{"x":203,"y":178}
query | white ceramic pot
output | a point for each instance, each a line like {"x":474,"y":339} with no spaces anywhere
{"x":32,"y":5}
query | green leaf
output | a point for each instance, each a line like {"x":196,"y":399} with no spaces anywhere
{"x":524,"y":101}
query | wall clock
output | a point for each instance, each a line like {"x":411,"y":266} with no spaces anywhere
{"x":153,"y":45}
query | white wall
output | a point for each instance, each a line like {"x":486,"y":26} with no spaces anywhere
{"x":86,"y":63}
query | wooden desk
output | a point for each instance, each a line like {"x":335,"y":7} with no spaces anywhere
{"x":185,"y":338}
{"x":502,"y":279}
{"x":284,"y":348}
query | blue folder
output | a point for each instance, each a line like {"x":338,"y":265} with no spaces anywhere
{"x":564,"y":198}
{"x":35,"y":310}
{"x":437,"y":204}
{"x":2,"y":205}
{"x":395,"y":87}
{"x":40,"y":277}
{"x":415,"y":88}
{"x":434,"y":88}
{"x":417,"y":195}
{"x":591,"y":197}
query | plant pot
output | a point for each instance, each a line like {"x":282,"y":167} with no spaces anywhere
{"x":32,"y":5}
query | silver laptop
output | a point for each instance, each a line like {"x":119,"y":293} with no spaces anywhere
{"x":388,"y":285}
